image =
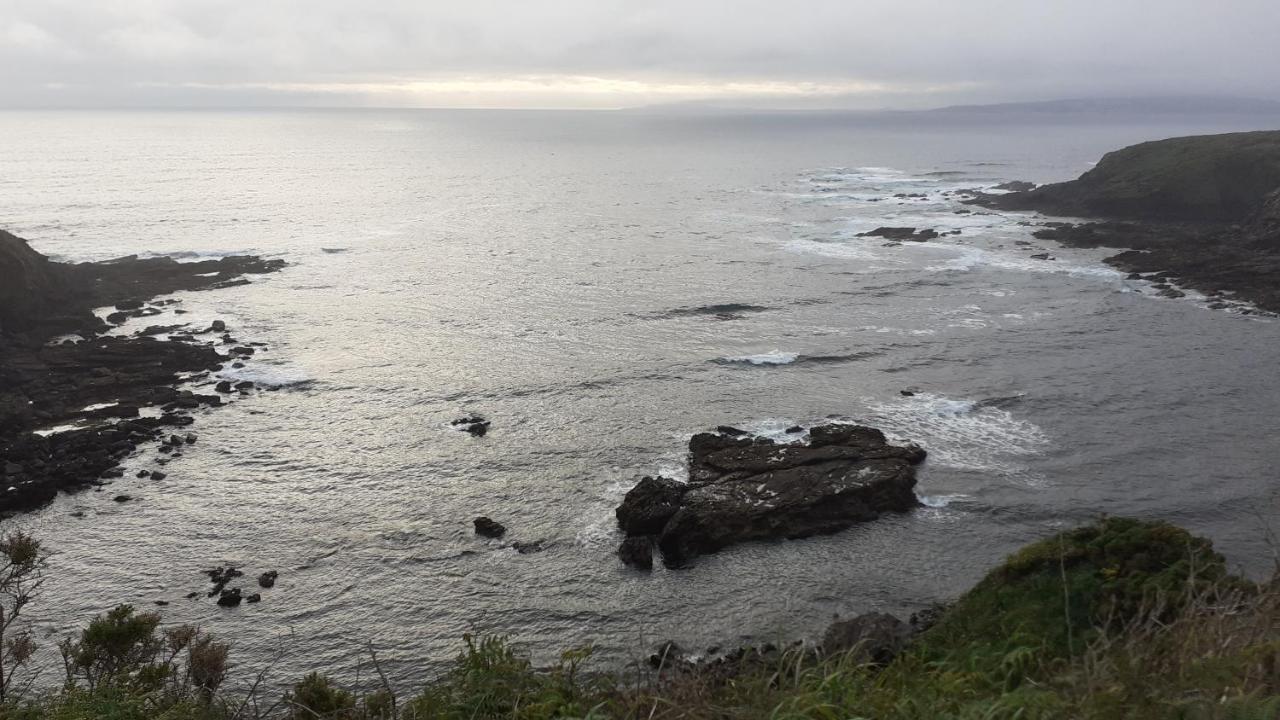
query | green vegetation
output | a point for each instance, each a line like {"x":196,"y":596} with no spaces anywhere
{"x":1118,"y":619}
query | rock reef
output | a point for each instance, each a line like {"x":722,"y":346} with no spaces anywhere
{"x":743,"y":487}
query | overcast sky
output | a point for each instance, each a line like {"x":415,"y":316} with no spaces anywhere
{"x":620,"y":53}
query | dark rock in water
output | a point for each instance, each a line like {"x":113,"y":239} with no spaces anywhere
{"x":901,"y":233}
{"x":229,"y":598}
{"x":242,"y":350}
{"x":253,"y":598}
{"x":489,"y":528}
{"x":637,"y":551}
{"x":162,"y":603}
{"x":144,"y":473}
{"x":113,"y":473}
{"x":1016,"y":186}
{"x":1042,"y":256}
{"x":474,"y":424}
{"x":752,"y":488}
{"x":668,"y":655}
{"x":648,"y":506}
{"x":794,"y":430}
{"x":157,"y":475}
{"x":874,"y":638}
{"x":224,"y":387}
{"x":268,"y":579}
{"x":217,"y":326}
{"x":907,"y":393}
{"x":122,"y":498}
{"x":192,"y":595}
{"x":190,"y":438}
{"x":245,"y":385}
{"x":730,"y":431}
{"x":529,"y":548}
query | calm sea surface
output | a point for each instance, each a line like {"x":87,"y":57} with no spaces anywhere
{"x":553,"y":272}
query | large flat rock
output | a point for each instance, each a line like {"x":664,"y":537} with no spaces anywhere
{"x":745,"y":488}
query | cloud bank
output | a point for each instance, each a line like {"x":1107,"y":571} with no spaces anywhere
{"x":619,"y":53}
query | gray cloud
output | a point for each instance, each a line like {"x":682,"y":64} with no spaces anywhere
{"x":625,"y":52}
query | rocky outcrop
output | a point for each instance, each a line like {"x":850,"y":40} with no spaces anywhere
{"x":1204,"y":178}
{"x":1202,"y":210}
{"x":44,"y":384}
{"x":744,"y":488}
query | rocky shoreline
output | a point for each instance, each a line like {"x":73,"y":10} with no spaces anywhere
{"x":1199,"y":213}
{"x":76,"y":402}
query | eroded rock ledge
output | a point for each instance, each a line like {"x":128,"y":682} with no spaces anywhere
{"x":743,"y":487}
{"x":106,"y":394}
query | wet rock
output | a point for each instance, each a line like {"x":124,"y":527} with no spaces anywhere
{"x":529,"y":548}
{"x":901,"y":233}
{"x":648,"y":506}
{"x":223,"y":386}
{"x":157,"y":475}
{"x":242,"y":350}
{"x":907,"y":393}
{"x":256,"y":597}
{"x":637,"y":551}
{"x":874,"y":638}
{"x":190,"y":438}
{"x":730,"y":431}
{"x":668,"y":655}
{"x":794,"y":430}
{"x":489,"y":528}
{"x":753,"y":488}
{"x":1016,"y":186}
{"x":1042,"y":256}
{"x":144,"y":473}
{"x":245,"y":385}
{"x":474,"y":425}
{"x":268,"y":579}
{"x":161,"y":603}
{"x":218,"y":326}
{"x":122,"y":498}
{"x":230,"y":598}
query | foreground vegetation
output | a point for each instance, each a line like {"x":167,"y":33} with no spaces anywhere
{"x":1119,"y":619}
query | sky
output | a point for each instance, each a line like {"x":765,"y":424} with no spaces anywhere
{"x":629,"y":53}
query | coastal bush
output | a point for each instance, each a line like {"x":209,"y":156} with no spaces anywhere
{"x":1120,"y":619}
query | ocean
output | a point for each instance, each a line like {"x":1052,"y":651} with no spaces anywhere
{"x":601,"y":285}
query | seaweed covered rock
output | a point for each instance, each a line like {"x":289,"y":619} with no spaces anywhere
{"x":742,"y":487}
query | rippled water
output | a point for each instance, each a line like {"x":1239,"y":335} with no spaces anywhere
{"x":600,"y":286}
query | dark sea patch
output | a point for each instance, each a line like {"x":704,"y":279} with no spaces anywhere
{"x":720,"y":311}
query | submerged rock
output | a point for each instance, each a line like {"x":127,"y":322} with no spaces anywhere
{"x":901,"y":233}
{"x":268,"y":579}
{"x":753,"y":488}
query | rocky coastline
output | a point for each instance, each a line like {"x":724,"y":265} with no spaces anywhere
{"x":1195,"y":213}
{"x":74,"y":401}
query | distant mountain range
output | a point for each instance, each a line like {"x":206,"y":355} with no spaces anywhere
{"x":1188,"y":105}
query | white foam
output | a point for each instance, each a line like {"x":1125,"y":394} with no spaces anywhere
{"x":263,"y":374}
{"x":940,"y":501}
{"x":775,"y":357}
{"x":962,"y":434}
